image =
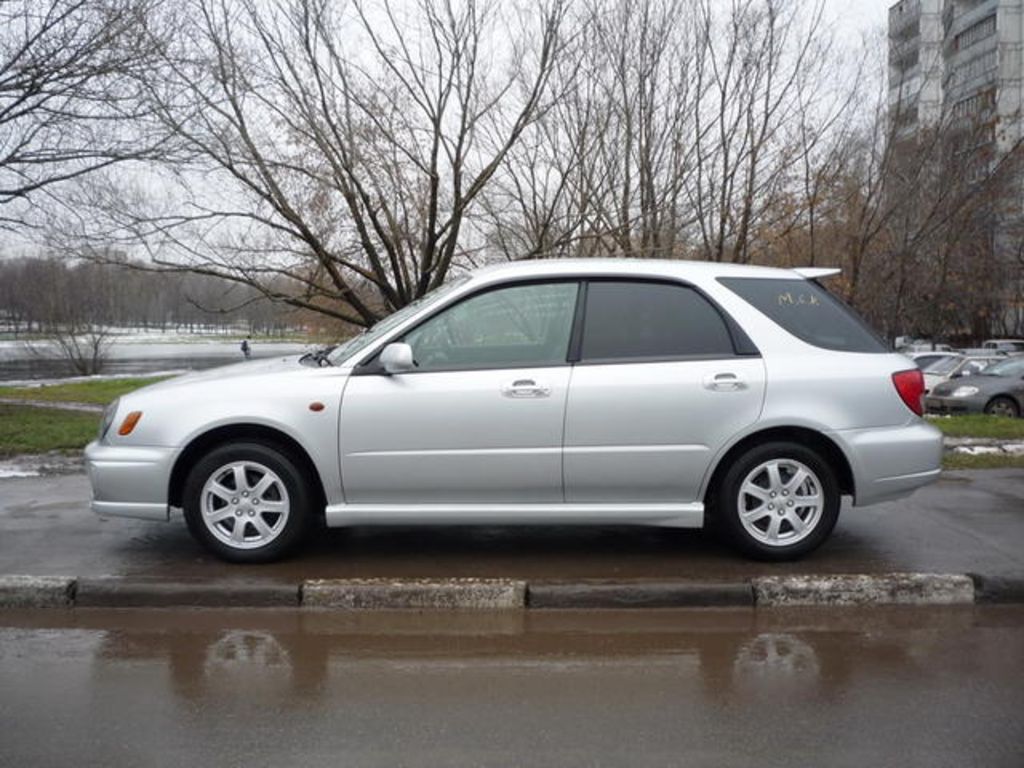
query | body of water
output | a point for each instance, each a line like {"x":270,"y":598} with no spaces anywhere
{"x":18,"y":363}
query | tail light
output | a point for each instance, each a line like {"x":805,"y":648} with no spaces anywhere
{"x":910,"y":386}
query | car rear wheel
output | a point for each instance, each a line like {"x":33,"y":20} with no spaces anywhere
{"x":247,"y":502}
{"x":1002,"y":406}
{"x":778,"y":501}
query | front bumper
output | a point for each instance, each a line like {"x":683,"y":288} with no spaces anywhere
{"x":950,"y":406}
{"x":891,"y":463}
{"x":129,"y":481}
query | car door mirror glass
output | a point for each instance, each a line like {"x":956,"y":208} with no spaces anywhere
{"x":397,"y":358}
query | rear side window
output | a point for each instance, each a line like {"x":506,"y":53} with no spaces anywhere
{"x":807,"y":311}
{"x":629,"y":320}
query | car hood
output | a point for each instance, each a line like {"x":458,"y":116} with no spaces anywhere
{"x":252,"y":369}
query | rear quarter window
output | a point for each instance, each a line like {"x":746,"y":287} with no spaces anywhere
{"x":809,"y":312}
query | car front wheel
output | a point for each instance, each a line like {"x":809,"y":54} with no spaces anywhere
{"x":778,"y":501}
{"x":247,"y":502}
{"x":1002,"y":406}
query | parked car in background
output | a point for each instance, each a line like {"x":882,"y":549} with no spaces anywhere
{"x":920,"y":345}
{"x":1009,"y":346}
{"x":983,"y":352}
{"x":998,"y":390}
{"x":667,"y":393}
{"x":956,"y":367}
{"x":924,"y":359}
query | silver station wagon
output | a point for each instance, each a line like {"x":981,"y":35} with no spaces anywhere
{"x":596,"y":392}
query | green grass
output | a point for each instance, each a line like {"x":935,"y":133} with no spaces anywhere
{"x":101,"y":391}
{"x":983,"y":461}
{"x":978,"y":425}
{"x":26,"y":429}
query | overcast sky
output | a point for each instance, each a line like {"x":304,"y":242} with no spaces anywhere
{"x":854,"y":17}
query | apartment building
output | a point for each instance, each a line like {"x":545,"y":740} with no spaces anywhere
{"x":959,"y":61}
{"x":958,"y":66}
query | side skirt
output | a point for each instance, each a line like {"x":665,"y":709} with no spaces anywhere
{"x":668,"y":515}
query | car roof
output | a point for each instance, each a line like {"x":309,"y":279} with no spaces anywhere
{"x":667,"y":267}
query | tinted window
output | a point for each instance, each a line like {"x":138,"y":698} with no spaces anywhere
{"x":807,"y":311}
{"x":514,"y":327}
{"x":636,"y":320}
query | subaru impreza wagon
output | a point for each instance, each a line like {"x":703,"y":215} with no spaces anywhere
{"x":590,"y":392}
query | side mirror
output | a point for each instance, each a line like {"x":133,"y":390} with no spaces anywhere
{"x":397,"y":358}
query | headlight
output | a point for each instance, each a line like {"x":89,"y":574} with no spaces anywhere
{"x":965,"y":391}
{"x":108,"y":417}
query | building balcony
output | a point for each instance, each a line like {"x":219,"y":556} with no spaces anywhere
{"x":904,"y":19}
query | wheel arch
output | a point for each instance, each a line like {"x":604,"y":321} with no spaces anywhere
{"x":1005,"y":396}
{"x":813,"y":439}
{"x":229,"y":433}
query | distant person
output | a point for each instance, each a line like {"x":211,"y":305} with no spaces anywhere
{"x":246,"y":349}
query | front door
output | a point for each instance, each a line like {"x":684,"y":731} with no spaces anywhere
{"x":480,"y":420}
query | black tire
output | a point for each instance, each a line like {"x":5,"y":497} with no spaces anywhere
{"x":799,"y":529}
{"x":1002,"y":406}
{"x":266,"y":535}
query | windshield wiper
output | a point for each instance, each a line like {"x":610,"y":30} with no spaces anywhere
{"x":319,"y":356}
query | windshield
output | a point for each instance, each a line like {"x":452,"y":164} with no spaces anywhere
{"x":358,"y":343}
{"x":945,"y":366}
{"x":1013,"y":367}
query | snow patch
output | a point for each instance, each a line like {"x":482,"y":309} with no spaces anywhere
{"x":12,"y":469}
{"x":99,"y":377}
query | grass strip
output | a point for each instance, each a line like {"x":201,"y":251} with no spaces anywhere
{"x":101,"y":391}
{"x":979,"y":425}
{"x":25,"y":429}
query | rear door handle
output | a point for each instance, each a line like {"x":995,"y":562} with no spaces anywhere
{"x":724,"y":382}
{"x":524,"y":388}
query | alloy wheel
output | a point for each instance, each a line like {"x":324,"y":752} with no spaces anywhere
{"x":244,"y":504}
{"x":780,"y":502}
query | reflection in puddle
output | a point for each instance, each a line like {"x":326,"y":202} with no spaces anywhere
{"x":776,"y":662}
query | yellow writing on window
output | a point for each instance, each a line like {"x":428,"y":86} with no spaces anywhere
{"x":790,"y":299}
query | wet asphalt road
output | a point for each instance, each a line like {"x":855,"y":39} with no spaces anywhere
{"x":967,"y":522}
{"x":856,"y":687}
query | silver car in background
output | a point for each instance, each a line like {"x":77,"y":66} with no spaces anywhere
{"x":663,"y":393}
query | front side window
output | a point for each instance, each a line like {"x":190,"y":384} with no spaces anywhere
{"x":631,"y":320}
{"x":515,"y":327}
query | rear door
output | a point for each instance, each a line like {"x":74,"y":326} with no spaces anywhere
{"x":660,"y":385}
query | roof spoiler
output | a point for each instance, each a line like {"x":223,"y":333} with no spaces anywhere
{"x":814,"y":273}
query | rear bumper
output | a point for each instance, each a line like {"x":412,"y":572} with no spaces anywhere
{"x":893,"y":462}
{"x":129,"y":481}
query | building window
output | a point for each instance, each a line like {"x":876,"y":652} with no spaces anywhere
{"x":975,"y":33}
{"x":982,"y":101}
{"x":975,"y":68}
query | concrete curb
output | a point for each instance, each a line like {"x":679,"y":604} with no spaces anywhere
{"x":997,"y":590}
{"x":443,"y":594}
{"x":638,"y":595}
{"x":119,"y":593}
{"x":855,"y":589}
{"x":510,"y":594}
{"x":36,"y":592}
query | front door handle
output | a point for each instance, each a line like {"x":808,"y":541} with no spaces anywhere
{"x":523,"y":388}
{"x":724,"y":382}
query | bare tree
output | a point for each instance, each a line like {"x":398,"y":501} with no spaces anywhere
{"x":674,"y":135}
{"x":65,"y":72}
{"x":341,"y":148}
